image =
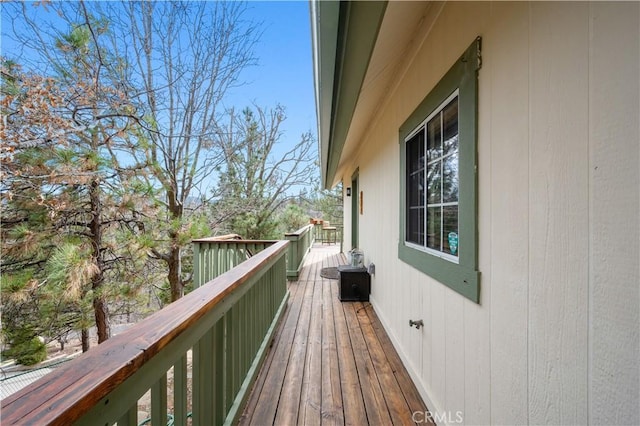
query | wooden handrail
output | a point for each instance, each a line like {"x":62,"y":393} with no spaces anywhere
{"x":229,"y":239}
{"x":222,"y":238}
{"x":300,"y":231}
{"x":66,"y":394}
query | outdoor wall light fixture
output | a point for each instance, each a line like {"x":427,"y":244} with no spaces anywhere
{"x":417,"y":324}
{"x":348,"y":191}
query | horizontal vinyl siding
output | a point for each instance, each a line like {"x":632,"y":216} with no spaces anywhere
{"x":555,"y":337}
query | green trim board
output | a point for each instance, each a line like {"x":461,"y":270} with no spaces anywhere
{"x":462,"y":277}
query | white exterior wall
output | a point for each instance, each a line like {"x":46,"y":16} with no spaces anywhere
{"x":555,"y":339}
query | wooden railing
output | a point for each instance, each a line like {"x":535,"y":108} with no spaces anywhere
{"x":300,"y":242}
{"x":227,"y":322}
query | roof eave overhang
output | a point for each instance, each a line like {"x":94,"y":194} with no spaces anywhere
{"x":344,"y":35}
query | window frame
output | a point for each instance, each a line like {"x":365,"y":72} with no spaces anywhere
{"x":461,"y":276}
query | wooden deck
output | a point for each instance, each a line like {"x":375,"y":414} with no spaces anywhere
{"x":331,"y":362}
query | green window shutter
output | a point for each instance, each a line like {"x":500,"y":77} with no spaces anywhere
{"x":463,"y":276}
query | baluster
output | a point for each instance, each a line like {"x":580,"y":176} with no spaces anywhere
{"x":203,"y":381}
{"x":180,"y":392}
{"x":159,"y":401}
{"x":230,"y":356}
{"x":219,"y":374}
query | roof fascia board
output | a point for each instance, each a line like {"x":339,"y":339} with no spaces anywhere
{"x":358,"y":27}
{"x":325,"y":17}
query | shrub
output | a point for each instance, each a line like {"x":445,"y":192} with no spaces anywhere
{"x":30,"y":352}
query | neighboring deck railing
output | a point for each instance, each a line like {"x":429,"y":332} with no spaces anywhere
{"x":320,"y":233}
{"x":216,"y":255}
{"x":300,"y":243}
{"x":228,"y":322}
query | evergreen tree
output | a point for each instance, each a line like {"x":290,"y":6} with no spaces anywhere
{"x":66,"y":194}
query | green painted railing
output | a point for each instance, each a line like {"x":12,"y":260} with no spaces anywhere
{"x":228,"y":324}
{"x":215,"y":256}
{"x":300,"y":243}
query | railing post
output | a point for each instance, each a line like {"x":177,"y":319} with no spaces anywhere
{"x":299,"y":245}
{"x":292,"y":255}
{"x":197,"y":264}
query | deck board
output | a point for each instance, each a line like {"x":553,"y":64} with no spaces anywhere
{"x":331,"y":362}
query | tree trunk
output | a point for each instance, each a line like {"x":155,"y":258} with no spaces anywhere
{"x":100,"y":307}
{"x":175,"y":270}
{"x":84,"y":338}
{"x":102,"y":318}
{"x":174,"y":260}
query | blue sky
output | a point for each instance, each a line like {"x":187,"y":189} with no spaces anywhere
{"x":284,"y":74}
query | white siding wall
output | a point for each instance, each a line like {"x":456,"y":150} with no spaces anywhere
{"x":556,"y":337}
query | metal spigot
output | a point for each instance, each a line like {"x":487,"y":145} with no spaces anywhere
{"x":417,"y":324}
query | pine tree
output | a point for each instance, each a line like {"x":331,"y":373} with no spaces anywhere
{"x":65,"y":193}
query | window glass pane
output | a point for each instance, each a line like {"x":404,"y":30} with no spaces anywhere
{"x":415,"y":152}
{"x":433,"y":227}
{"x":415,"y":189}
{"x":450,"y":120}
{"x":450,"y":229}
{"x":415,"y":225}
{"x":450,"y":180}
{"x":434,"y":182}
{"x":434,"y":139}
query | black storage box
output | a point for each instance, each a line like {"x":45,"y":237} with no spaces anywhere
{"x":354,"y":284}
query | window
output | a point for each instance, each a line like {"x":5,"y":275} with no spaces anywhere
{"x":432,"y":182}
{"x":438,"y":180}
